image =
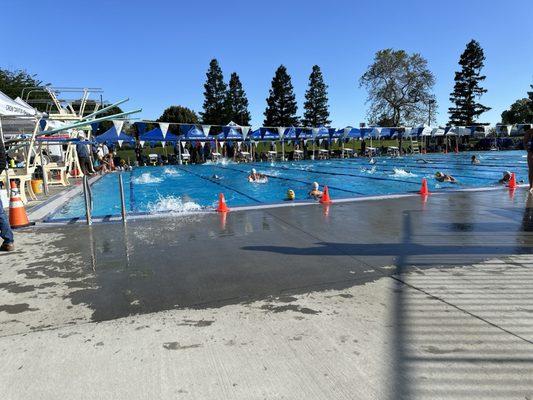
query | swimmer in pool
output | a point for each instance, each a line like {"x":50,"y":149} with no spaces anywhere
{"x":506,"y":178}
{"x":216,"y":177}
{"x":315,"y":193}
{"x":255,"y":176}
{"x":444,"y":177}
{"x":474,"y":160}
{"x":372,"y":161}
{"x":290,"y":195}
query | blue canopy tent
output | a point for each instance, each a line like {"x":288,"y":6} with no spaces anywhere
{"x":110,"y":137}
{"x":156,"y":135}
{"x":192,"y":133}
{"x":268,"y":134}
{"x":255,"y":135}
{"x":292,"y":134}
{"x":354,"y":133}
{"x":323,"y":133}
{"x":364,"y":132}
{"x":231,"y":134}
{"x":386,"y":133}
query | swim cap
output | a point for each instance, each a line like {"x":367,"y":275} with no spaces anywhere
{"x":290,"y":194}
{"x":438,"y":173}
{"x":253,"y":171}
{"x":315,"y":185}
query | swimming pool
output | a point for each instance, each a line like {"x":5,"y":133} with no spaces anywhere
{"x":194,"y":187}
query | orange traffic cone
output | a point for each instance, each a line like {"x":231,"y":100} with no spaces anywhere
{"x":222,"y":207}
{"x":325,"y":199}
{"x":424,"y":191}
{"x":17,"y":213}
{"x":512,"y":182}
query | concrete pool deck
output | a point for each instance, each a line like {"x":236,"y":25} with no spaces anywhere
{"x":388,"y":299}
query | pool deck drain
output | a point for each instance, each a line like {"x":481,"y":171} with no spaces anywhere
{"x":389,"y":299}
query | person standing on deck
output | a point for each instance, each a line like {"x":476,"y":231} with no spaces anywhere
{"x":84,"y":156}
{"x":528,"y":145}
{"x":5,"y":230}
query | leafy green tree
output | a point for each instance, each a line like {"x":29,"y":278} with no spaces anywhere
{"x":236,"y":102}
{"x":519,"y":112}
{"x":467,"y":89}
{"x":316,"y":111}
{"x":178,"y":114}
{"x":214,"y":96}
{"x":399,"y":87}
{"x":13,"y":82}
{"x":281,"y":102}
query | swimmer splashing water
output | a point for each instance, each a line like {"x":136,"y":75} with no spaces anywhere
{"x":257,"y":177}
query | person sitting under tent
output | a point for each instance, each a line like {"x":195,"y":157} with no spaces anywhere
{"x":315,"y":192}
{"x":256,"y":177}
{"x":444,"y":177}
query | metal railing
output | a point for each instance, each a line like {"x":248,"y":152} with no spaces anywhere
{"x":88,"y":198}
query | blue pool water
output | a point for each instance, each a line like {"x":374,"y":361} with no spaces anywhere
{"x":187,"y":188}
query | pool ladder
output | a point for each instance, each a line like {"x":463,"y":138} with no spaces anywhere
{"x":88,"y":198}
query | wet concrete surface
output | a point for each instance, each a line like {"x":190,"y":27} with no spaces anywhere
{"x":212,"y":260}
{"x":390,"y":299}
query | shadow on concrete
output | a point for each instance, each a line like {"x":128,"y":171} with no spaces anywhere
{"x":462,"y":333}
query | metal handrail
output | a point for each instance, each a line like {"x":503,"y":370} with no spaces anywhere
{"x":88,"y":199}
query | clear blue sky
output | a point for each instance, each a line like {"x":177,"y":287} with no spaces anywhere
{"x":157,"y":52}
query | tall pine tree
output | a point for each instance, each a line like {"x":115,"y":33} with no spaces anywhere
{"x":236,"y":102}
{"x":316,"y":100}
{"x":281,"y":103}
{"x":214,"y":96}
{"x":467,"y":89}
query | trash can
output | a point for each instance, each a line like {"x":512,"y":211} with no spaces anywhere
{"x":37,"y":186}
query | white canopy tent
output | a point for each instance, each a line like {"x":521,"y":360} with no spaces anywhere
{"x":16,"y":116}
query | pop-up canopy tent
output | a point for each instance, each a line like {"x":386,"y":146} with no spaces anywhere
{"x":156,"y":135}
{"x":479,"y":131}
{"x":230,"y":133}
{"x":110,"y":137}
{"x":16,"y":117}
{"x":292,"y":134}
{"x":503,"y":130}
{"x":192,"y":133}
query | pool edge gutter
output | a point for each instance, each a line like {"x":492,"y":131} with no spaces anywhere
{"x":59,"y":201}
